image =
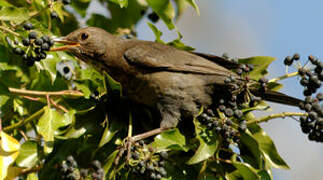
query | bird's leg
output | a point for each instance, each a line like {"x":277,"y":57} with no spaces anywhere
{"x":133,"y":139}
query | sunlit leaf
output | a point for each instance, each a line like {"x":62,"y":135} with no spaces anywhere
{"x":209,"y":144}
{"x":194,"y":5}
{"x":14,"y":14}
{"x":267,"y":147}
{"x":49,"y":124}
{"x":170,"y":139}
{"x":122,"y":3}
{"x":260,"y":63}
{"x":8,"y":152}
{"x":28,"y":155}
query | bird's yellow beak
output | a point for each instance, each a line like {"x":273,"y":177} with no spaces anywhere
{"x":67,"y":44}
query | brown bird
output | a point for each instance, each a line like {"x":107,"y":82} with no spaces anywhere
{"x":174,"y":82}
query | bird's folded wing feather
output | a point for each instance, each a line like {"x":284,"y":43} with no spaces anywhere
{"x":158,"y":57}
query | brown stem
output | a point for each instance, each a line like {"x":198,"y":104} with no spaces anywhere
{"x":9,"y":31}
{"x":71,"y":93}
{"x":58,"y":106}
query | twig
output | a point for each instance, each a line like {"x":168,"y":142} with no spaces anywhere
{"x":30,"y":170}
{"x":58,"y":106}
{"x":9,"y":31}
{"x":48,"y":101}
{"x":23,"y":134}
{"x":284,"y":77}
{"x":129,"y":142}
{"x":274,"y":116}
{"x":21,"y":123}
{"x":71,"y":93}
{"x":31,"y":98}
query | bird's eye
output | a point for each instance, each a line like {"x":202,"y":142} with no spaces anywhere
{"x":84,"y":36}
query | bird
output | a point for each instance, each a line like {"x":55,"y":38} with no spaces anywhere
{"x":174,"y":82}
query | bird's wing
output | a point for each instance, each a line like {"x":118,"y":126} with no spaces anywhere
{"x":229,"y":64}
{"x":157,"y":57}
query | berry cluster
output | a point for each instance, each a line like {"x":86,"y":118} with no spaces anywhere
{"x":70,"y":170}
{"x":33,"y":48}
{"x":54,"y":14}
{"x":313,"y":123}
{"x":311,"y":79}
{"x":147,"y":163}
{"x":224,"y":127}
{"x":288,"y":61}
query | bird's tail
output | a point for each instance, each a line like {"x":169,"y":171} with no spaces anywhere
{"x":278,"y":97}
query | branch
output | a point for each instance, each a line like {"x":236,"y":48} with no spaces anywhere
{"x":284,"y":77}
{"x":274,"y":116}
{"x":9,"y":31}
{"x":21,"y":123}
{"x":71,"y":93}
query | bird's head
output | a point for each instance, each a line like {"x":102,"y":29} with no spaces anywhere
{"x":86,"y":43}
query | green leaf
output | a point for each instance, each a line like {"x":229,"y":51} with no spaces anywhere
{"x":249,"y":150}
{"x":246,"y":171}
{"x":16,"y":15}
{"x":48,"y":126}
{"x":4,"y":4}
{"x":108,"y":134}
{"x":171,"y":139}
{"x":157,"y":33}
{"x":260,"y":63}
{"x":165,"y":11}
{"x":19,"y":107}
{"x":58,"y":8}
{"x":267,"y":147}
{"x":32,"y":176}
{"x":28,"y":155}
{"x":209,"y":144}
{"x":84,"y":87}
{"x":194,"y":5}
{"x":265,"y":174}
{"x":122,"y":3}
{"x":180,"y":45}
{"x":110,"y":160}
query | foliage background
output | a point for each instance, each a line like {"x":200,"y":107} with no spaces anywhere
{"x":248,"y":29}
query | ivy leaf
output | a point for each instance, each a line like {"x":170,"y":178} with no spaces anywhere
{"x":171,"y":139}
{"x":157,"y":33}
{"x":249,"y":149}
{"x":122,"y":3}
{"x":260,"y":63}
{"x":32,"y":176}
{"x":209,"y":144}
{"x":28,"y":155}
{"x":194,"y":5}
{"x":267,"y":147}
{"x":58,"y":8}
{"x":110,"y":160}
{"x":48,"y":126}
{"x":16,"y":15}
{"x":108,"y":133}
{"x":8,"y":152}
{"x":246,"y":171}
{"x":165,"y":11}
